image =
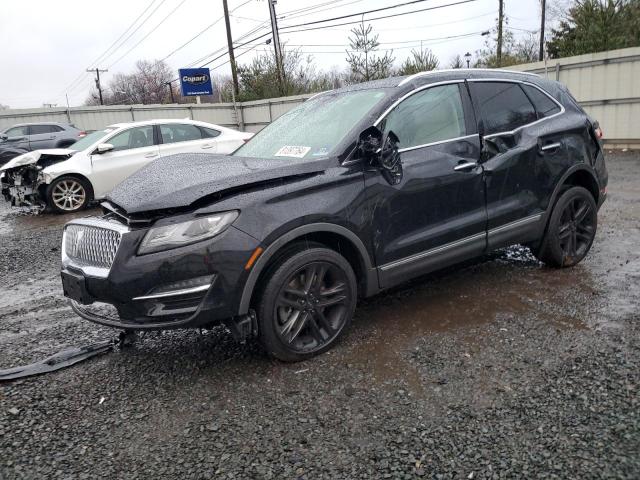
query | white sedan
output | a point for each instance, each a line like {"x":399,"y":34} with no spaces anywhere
{"x":66,"y":180}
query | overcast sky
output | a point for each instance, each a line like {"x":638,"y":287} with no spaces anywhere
{"x":47,"y":46}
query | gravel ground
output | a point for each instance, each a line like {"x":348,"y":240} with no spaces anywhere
{"x":497,"y":368}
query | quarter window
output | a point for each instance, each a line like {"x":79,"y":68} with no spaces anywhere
{"x":544,"y":105}
{"x":429,"y":116}
{"x":179,"y":132}
{"x":133,"y":138}
{"x":209,"y":132}
{"x":504,"y":106}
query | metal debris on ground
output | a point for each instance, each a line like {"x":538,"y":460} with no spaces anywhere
{"x":60,"y":360}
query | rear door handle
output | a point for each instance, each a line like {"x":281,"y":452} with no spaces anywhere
{"x":465,"y":167}
{"x":550,"y":147}
{"x":208,"y":145}
{"x":151,"y":155}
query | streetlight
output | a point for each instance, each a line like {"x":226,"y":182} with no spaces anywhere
{"x":468,"y":57}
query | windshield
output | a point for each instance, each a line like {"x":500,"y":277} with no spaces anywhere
{"x":90,"y":139}
{"x":313,"y":129}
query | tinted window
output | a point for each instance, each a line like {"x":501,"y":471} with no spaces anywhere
{"x":503,"y":106}
{"x":176,"y":132}
{"x":432,"y":115}
{"x":16,"y":132}
{"x":133,"y":138}
{"x":209,"y":132}
{"x":544,"y":105}
{"x":40,"y":129}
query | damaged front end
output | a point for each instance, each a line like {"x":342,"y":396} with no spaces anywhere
{"x":23,"y":182}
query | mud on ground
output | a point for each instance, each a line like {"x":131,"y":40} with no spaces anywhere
{"x":497,"y":368}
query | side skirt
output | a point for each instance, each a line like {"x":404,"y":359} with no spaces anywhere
{"x":404,"y":269}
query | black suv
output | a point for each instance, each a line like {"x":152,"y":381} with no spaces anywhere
{"x":351,"y":193}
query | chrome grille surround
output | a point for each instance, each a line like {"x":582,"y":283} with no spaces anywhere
{"x":91,"y":245}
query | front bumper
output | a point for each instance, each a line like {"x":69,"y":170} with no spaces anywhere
{"x":136,"y":290}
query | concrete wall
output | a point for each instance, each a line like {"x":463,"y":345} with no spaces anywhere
{"x":250,"y":116}
{"x":602,"y":82}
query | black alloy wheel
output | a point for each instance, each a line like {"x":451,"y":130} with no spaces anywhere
{"x":572,"y":229}
{"x":307,"y":303}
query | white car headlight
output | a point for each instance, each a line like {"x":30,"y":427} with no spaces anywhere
{"x":180,"y":234}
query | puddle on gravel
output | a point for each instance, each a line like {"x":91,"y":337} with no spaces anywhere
{"x":24,"y":220}
{"x":507,"y":284}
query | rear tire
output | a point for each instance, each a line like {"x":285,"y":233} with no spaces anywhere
{"x":69,"y":194}
{"x":307,"y":301}
{"x":571,"y":230}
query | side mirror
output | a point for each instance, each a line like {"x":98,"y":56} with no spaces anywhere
{"x":369,"y":145}
{"x":104,"y":148}
{"x":381,"y":151}
{"x":3,"y":136}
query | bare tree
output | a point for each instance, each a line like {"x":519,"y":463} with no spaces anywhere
{"x":148,"y":84}
{"x":422,"y":60}
{"x":456,"y":62}
{"x":364,"y":64}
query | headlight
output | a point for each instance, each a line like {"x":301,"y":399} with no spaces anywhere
{"x":180,"y":234}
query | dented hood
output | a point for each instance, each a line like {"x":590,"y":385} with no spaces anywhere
{"x":30,"y":158}
{"x":179,"y":180}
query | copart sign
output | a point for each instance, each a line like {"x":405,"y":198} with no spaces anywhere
{"x":195,"y":81}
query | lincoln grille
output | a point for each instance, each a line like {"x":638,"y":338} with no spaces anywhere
{"x":92,"y":246}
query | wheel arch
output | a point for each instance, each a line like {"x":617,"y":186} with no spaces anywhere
{"x":45,"y":187}
{"x":578,"y":175}
{"x":336,"y":237}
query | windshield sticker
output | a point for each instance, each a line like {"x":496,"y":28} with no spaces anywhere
{"x":321,"y":152}
{"x":292,"y":151}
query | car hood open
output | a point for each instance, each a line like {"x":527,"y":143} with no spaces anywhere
{"x":178,"y":181}
{"x":30,"y":158}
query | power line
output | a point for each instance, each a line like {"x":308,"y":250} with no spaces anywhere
{"x":412,"y":2}
{"x":304,"y":12}
{"x":137,"y":28}
{"x":345,"y":23}
{"x":414,"y":43}
{"x":145,"y":20}
{"x":203,"y":31}
{"x":123,"y":34}
{"x":110,"y":46}
{"x":149,"y":33}
{"x":374,"y":19}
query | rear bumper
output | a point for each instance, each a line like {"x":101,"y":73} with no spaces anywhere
{"x":186,"y":287}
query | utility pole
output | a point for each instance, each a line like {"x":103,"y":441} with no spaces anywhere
{"x":97,"y":70}
{"x":168,"y":84}
{"x":232,"y":57}
{"x":500,"y":20}
{"x":543,"y":14}
{"x":276,"y":43}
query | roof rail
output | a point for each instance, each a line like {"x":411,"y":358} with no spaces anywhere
{"x":449,"y":70}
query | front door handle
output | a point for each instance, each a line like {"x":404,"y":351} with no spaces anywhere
{"x":465,"y":166}
{"x":208,"y":145}
{"x":151,"y":155}
{"x":550,"y":147}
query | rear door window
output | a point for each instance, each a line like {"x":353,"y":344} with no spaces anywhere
{"x":429,"y":116}
{"x":545,"y":107}
{"x":41,"y":129}
{"x":179,"y":132}
{"x":503,"y":106}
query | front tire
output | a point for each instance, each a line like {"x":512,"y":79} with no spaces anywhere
{"x":571,"y":230}
{"x":307,"y":302}
{"x":68,"y":194}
